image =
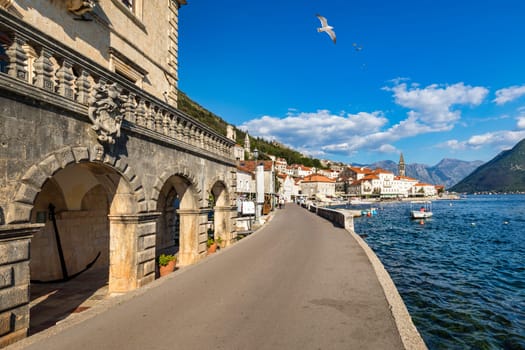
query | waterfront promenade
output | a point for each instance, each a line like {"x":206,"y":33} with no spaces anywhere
{"x":299,"y":282}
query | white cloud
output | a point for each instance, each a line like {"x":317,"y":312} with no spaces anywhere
{"x":314,"y":130}
{"x":386,"y":148}
{"x":520,"y":122}
{"x":433,"y":104}
{"x":431,"y":109}
{"x":499,"y":140}
{"x":454,"y":145}
{"x":509,"y":94}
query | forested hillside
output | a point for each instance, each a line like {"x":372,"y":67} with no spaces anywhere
{"x":215,"y":122}
{"x":504,"y":173}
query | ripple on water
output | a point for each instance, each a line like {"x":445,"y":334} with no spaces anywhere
{"x":461,"y":274}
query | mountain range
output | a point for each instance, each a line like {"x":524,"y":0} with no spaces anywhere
{"x":504,"y":173}
{"x":447,"y":172}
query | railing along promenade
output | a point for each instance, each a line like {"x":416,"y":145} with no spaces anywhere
{"x":410,"y":336}
{"x":39,"y":67}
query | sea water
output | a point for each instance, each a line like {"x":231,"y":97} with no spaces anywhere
{"x":461,"y":273}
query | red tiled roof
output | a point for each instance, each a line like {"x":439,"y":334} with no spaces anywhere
{"x":317,"y":178}
{"x":251,"y":164}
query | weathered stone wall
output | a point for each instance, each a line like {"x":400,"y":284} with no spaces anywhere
{"x":14,"y":282}
{"x":49,"y":130}
{"x":114,"y":28}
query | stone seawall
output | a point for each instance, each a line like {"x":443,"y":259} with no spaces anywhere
{"x":410,"y":336}
{"x":341,"y":218}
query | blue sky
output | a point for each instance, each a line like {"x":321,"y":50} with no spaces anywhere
{"x":434,"y":79}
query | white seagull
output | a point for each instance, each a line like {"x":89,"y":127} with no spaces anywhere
{"x":326,"y":28}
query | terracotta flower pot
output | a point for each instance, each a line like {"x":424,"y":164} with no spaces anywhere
{"x":164,"y":270}
{"x":212,"y":248}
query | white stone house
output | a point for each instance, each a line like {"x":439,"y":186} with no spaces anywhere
{"x":302,"y":171}
{"x":238,"y":152}
{"x":423,"y":189}
{"x":331,"y":174}
{"x":286,"y":186}
{"x":386,"y":183}
{"x":319,"y":185}
{"x":269,"y":176}
{"x":365,"y":186}
{"x":280,"y":165}
{"x":245,"y":182}
{"x":404,"y":185}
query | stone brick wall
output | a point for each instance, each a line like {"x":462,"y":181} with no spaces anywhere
{"x":113,"y":26}
{"x":14,"y":282}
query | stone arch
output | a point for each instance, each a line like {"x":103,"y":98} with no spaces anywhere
{"x":111,"y":203}
{"x":222,"y":210}
{"x":220,"y":191}
{"x":178,"y":200}
{"x":31,"y":183}
{"x":182,"y":172}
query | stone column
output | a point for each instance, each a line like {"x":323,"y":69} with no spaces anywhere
{"x":224,"y":223}
{"x":193,"y":235}
{"x":14,"y":281}
{"x":131,"y":251}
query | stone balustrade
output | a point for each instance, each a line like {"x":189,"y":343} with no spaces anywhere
{"x":38,"y":66}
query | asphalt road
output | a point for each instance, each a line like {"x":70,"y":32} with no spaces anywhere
{"x":297,"y":283}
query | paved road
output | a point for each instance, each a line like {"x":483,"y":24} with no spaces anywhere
{"x":297,"y":283}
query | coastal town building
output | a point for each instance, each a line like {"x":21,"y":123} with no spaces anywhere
{"x":299,"y":170}
{"x":317,"y":186}
{"x":238,"y":152}
{"x":423,"y":190}
{"x":331,"y":174}
{"x":245,"y":182}
{"x":286,"y":187}
{"x":268,"y":179}
{"x":280,"y":165}
{"x":404,"y":185}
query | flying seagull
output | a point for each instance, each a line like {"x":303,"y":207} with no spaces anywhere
{"x":326,"y":28}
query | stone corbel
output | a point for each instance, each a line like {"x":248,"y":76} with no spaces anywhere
{"x":80,"y":7}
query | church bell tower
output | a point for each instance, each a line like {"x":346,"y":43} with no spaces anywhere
{"x":401,"y":165}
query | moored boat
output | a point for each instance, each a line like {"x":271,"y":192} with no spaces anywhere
{"x":424,"y":211}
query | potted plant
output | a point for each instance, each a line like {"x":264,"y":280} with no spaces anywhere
{"x":212,"y":245}
{"x":220,"y":242}
{"x":166,"y":264}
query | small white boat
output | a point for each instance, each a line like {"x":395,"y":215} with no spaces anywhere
{"x":424,"y":211}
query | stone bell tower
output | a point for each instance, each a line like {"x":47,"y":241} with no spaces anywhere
{"x":247,"y":146}
{"x":401,"y":165}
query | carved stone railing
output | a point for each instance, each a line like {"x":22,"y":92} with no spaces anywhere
{"x":42,"y":68}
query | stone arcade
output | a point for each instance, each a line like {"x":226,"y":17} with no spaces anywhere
{"x":95,"y":168}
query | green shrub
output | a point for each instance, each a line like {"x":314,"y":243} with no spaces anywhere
{"x":164,"y":259}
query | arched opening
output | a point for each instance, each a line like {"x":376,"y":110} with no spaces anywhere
{"x":174,"y":232}
{"x":70,"y":255}
{"x":221,"y":212}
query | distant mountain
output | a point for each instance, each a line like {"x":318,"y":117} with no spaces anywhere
{"x":447,"y":172}
{"x":504,"y":173}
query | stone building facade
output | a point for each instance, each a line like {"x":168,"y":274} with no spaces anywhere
{"x":97,"y":165}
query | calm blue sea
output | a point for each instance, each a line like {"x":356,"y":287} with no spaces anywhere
{"x":461,"y":273}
